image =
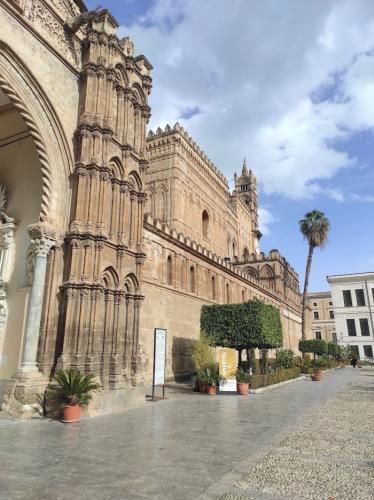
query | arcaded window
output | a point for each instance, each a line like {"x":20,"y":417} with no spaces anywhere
{"x":205,"y":223}
{"x":169,"y":270}
{"x":192,"y":279}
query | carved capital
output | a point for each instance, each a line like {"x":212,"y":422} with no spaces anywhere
{"x":40,"y":247}
{"x":43,"y":231}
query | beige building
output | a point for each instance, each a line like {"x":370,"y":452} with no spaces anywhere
{"x":322,"y":315}
{"x":106,"y":233}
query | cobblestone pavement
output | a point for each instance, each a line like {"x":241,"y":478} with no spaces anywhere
{"x":329,"y":456}
{"x":194,"y":446}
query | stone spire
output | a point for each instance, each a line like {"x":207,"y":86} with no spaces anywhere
{"x":245,"y":168}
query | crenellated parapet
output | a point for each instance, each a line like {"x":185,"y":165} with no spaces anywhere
{"x":176,"y":138}
{"x":204,"y":253}
{"x":274,"y":270}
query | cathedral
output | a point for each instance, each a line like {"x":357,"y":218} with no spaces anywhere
{"x":108,"y":232}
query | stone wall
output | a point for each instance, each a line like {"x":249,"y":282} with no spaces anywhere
{"x":179,"y":277}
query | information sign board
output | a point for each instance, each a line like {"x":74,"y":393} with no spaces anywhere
{"x":159,"y":359}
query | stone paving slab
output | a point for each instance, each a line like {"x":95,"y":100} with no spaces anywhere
{"x":330,"y":456}
{"x":178,"y":448}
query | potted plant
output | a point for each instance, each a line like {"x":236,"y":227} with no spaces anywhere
{"x":242,"y":382}
{"x":317,"y":373}
{"x":211,"y":377}
{"x":75,"y":390}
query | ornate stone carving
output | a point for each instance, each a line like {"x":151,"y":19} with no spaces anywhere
{"x":51,"y":27}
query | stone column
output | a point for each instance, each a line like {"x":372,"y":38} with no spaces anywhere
{"x":41,"y":247}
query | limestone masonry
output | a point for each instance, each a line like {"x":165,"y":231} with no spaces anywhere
{"x":106,"y":232}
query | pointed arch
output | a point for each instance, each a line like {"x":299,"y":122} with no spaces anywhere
{"x":122,"y":78}
{"x":139,"y":93}
{"x":192,"y":279}
{"x":135,"y":180}
{"x":131,"y":284}
{"x":251,"y":272}
{"x":116,"y":168}
{"x":245,"y":254}
{"x":110,"y":278}
{"x":29,"y":99}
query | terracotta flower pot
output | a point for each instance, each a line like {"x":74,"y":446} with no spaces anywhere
{"x":316,"y":376}
{"x":202,"y":386}
{"x":242,"y":388}
{"x":211,"y":390}
{"x":71,"y":413}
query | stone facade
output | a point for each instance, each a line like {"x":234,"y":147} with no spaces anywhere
{"x":322,"y":314}
{"x":105,"y":233}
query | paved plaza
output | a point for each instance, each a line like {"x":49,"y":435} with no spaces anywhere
{"x":286,"y":443}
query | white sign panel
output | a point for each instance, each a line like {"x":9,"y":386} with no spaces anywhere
{"x":160,"y":356}
{"x":229,"y":386}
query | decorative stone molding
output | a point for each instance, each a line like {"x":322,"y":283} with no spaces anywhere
{"x":52,"y":29}
{"x":39,"y":144}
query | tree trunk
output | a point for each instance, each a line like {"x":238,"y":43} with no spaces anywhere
{"x":240,"y":362}
{"x":264,"y":361}
{"x":306,"y":283}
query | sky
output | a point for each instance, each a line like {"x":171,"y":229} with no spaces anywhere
{"x":288,"y":85}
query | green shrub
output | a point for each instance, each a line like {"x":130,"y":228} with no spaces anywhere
{"x":257,"y":381}
{"x":242,"y":376}
{"x":285,"y":358}
{"x":313,"y":346}
{"x":202,"y":354}
{"x":210,"y":375}
{"x":242,"y":326}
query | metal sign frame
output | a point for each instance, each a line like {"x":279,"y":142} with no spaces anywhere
{"x":154,"y":362}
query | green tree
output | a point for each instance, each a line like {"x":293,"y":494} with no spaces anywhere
{"x":315,"y":227}
{"x":315,"y":346}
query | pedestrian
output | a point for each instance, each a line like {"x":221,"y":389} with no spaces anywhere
{"x":354,"y":362}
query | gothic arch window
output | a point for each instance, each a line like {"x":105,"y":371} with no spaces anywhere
{"x":245,"y":254}
{"x":213,"y":288}
{"x":251,"y":272}
{"x":169,"y":270}
{"x":243,"y":296}
{"x":227,"y":293}
{"x":205,"y":223}
{"x":192,"y":279}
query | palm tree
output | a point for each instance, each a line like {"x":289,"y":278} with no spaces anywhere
{"x":314,"y":227}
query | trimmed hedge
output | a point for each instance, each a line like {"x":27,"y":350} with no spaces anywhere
{"x":258,"y":381}
{"x":242,"y":326}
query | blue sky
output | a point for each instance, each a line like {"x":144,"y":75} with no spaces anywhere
{"x":291,"y":88}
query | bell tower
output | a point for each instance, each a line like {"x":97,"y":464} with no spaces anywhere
{"x":246,"y":191}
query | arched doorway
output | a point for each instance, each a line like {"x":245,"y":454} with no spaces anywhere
{"x":37,"y":197}
{"x":20,"y":202}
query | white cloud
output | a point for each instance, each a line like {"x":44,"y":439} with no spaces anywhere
{"x":281,"y":84}
{"x":365,"y":198}
{"x":265,"y":218}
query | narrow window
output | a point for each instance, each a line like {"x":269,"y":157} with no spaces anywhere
{"x":331,"y":314}
{"x":330,"y":303}
{"x":169,"y":271}
{"x":351,"y":326}
{"x":334,"y":339}
{"x":360,"y":297}
{"x":243,"y":296}
{"x":347,"y":297}
{"x":315,"y":315}
{"x":364,"y":327}
{"x":368,"y":351}
{"x":213,"y":288}
{"x":318,"y":335}
{"x":227,"y":294}
{"x":192,"y":279}
{"x":205,"y":224}
{"x":314,"y":304}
